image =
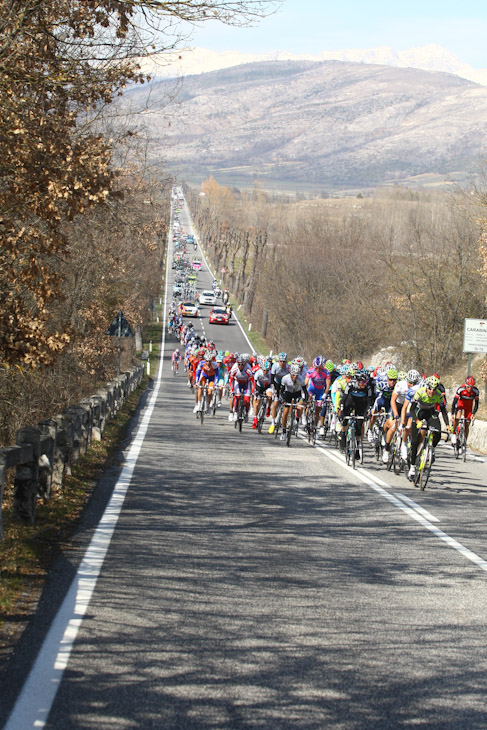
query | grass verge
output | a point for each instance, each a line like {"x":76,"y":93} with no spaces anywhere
{"x":28,"y":551}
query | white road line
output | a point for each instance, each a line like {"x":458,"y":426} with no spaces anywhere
{"x":39,"y":691}
{"x":381,"y":488}
{"x":417,"y":507}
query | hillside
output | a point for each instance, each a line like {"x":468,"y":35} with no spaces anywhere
{"x":326,"y":123}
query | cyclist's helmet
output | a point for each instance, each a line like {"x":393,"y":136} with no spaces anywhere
{"x":240,"y":360}
{"x":299,"y":361}
{"x":361,"y":377}
{"x":208,"y":356}
{"x":402,"y":375}
{"x":329,"y":365}
{"x":246,"y":356}
{"x":266,"y":365}
{"x":252,"y":360}
{"x":219,"y":357}
{"x":318,"y":362}
{"x":470,"y":381}
{"x":211,"y":346}
{"x":413,"y":377}
{"x":432,"y":382}
{"x":282,"y":356}
{"x":382,"y":385}
{"x":294,"y":369}
{"x":360,"y":365}
{"x":392,"y":374}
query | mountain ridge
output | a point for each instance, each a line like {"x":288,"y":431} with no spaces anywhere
{"x":325,"y":123}
{"x":194,"y":61}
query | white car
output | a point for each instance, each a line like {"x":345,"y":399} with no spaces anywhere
{"x":207,"y":297}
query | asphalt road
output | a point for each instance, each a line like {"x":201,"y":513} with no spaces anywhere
{"x":250,"y":585}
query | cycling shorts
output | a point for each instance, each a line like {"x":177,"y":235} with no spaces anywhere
{"x":317,"y":392}
{"x":466,"y":406}
{"x":288,"y":397}
{"x":380,"y":403}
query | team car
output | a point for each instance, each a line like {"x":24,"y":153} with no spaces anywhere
{"x":196,"y":265}
{"x":207,"y":297}
{"x":219,"y":315}
{"x":189,"y":309}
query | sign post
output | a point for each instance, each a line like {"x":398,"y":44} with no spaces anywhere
{"x":119,"y":328}
{"x":475,"y":340}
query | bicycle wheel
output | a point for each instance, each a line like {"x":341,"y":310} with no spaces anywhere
{"x":203,"y":407}
{"x":347,"y":449}
{"x":353,"y":446}
{"x":425,"y":473}
{"x":392,"y":452}
{"x":456,"y":445}
{"x":278,"y":420}
{"x":261,"y":414}
{"x":235,"y":410}
{"x":463,"y":442}
{"x":290,"y":427}
{"x":241,"y":409}
{"x":398,"y":460}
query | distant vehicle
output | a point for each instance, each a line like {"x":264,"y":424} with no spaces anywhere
{"x":189,"y":239}
{"x":177,"y":289}
{"x":196,"y":265}
{"x":189,"y":309}
{"x":207,"y":297}
{"x":219,"y":315}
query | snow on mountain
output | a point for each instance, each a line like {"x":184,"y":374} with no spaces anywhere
{"x":202,"y":60}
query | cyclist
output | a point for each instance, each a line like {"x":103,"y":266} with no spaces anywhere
{"x":355,"y":397}
{"x":176,"y":359}
{"x":240,"y":380}
{"x":263,"y":388}
{"x":466,"y":400}
{"x":423,"y":408}
{"x":385,"y":387}
{"x":206,"y":374}
{"x":222,"y":375}
{"x":293,"y":389}
{"x":318,"y":382}
{"x":278,"y":371}
{"x":401,"y":389}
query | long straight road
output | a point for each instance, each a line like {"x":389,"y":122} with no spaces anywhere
{"x":238,"y":583}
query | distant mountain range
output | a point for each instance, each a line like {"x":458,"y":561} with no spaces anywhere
{"x":431,"y":57}
{"x":329,"y":123}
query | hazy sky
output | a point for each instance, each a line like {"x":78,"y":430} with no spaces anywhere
{"x":311,"y":26}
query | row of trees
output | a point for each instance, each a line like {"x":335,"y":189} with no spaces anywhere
{"x":346,"y":278}
{"x":81,"y":233}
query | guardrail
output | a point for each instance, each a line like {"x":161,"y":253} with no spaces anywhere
{"x":43,"y":455}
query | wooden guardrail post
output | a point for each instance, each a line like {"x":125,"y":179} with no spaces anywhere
{"x":48,"y":429}
{"x":27,"y":475}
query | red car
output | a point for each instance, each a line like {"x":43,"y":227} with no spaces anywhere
{"x":219,"y":315}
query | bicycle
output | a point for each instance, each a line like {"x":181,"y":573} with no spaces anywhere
{"x":292,"y":425}
{"x":240,"y":412}
{"x":379,"y":435}
{"x":175,"y":367}
{"x":278,"y":420}
{"x":460,"y":446}
{"x":203,"y":405}
{"x":352,"y":445}
{"x":426,"y":457}
{"x":261,"y":411}
{"x":328,"y":418}
{"x":395,"y":459}
{"x":310,"y":420}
